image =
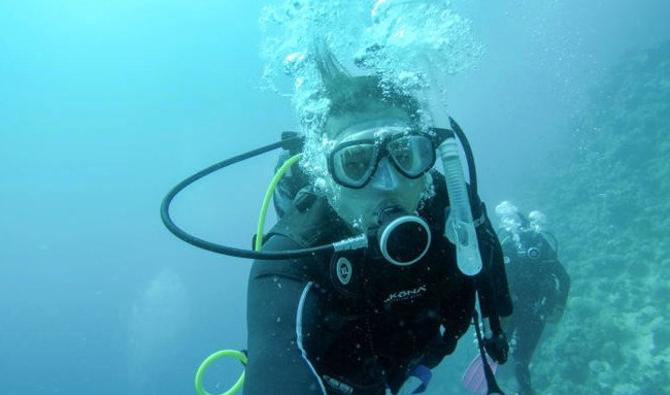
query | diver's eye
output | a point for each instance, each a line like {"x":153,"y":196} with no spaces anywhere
{"x":414,"y":154}
{"x":354,"y":164}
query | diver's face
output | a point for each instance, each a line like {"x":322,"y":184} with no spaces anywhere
{"x":386,"y":186}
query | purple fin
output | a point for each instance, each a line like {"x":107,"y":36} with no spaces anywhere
{"x":473,"y":379}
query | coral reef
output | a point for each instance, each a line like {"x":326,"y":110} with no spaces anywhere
{"x":608,"y":192}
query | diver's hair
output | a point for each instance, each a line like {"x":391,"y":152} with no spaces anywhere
{"x":349,"y":94}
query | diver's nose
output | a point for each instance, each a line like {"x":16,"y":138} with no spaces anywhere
{"x":385,"y":178}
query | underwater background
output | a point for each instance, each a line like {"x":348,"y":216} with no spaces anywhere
{"x":105,"y":105}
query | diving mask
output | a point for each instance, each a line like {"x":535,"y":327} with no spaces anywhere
{"x":353,"y":163}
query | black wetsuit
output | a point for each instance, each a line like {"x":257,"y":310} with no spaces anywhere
{"x":539,"y":286}
{"x":309,"y":333}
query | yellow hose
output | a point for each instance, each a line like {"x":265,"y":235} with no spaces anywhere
{"x":268,"y":197}
{"x":200,"y":373}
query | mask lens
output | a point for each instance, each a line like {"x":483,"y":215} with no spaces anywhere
{"x":413,"y":154}
{"x":353,"y":165}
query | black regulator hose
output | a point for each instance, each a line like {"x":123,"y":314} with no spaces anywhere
{"x":222,"y":249}
{"x":291,"y":141}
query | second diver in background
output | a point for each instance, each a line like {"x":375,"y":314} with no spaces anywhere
{"x":539,"y":284}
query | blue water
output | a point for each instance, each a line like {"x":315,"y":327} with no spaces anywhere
{"x":104,"y":105}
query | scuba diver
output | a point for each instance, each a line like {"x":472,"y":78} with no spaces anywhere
{"x":378,"y":265}
{"x":361,"y":322}
{"x":539,"y":284}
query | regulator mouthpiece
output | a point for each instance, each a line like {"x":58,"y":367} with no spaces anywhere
{"x":403,"y":238}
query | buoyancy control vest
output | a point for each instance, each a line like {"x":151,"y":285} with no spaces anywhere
{"x":308,"y":219}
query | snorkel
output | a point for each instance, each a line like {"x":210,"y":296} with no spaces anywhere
{"x":459,"y":227}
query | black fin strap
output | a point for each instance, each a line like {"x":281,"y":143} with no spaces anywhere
{"x":492,"y":387}
{"x":494,"y":323}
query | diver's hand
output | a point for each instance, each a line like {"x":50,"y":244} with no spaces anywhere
{"x":497,"y":347}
